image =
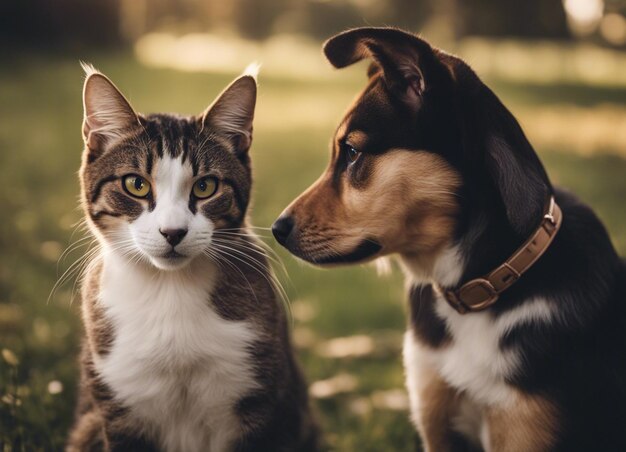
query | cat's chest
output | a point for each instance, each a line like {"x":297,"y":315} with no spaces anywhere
{"x":174,"y":361}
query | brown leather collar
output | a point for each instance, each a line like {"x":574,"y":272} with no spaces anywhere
{"x":480,"y":293}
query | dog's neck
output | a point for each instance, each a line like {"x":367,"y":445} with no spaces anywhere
{"x":487,"y":241}
{"x":446,"y":268}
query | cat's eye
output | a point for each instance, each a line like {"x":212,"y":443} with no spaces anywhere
{"x":136,"y":186}
{"x":351,"y":153}
{"x":205,"y":187}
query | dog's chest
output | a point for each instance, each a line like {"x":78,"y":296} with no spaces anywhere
{"x":179,"y":366}
{"x":473,"y":360}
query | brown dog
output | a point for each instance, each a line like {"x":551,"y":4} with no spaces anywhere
{"x":516,"y":339}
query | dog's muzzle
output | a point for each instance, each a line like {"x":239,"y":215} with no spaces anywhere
{"x":285,"y":232}
{"x":282,"y":228}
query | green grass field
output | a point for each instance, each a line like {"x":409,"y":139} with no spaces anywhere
{"x":40,"y":146}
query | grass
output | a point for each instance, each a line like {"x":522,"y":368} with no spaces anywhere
{"x":40,"y":149}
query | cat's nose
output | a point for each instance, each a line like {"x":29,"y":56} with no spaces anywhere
{"x":282,"y":227}
{"x":173,"y":236}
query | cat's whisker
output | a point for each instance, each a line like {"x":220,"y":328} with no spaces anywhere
{"x":72,"y":271}
{"x":261,"y":248}
{"x":86,"y":267}
{"x":82,"y":265}
{"x":219,"y":259}
{"x":242,"y":234}
{"x":235,"y":267}
{"x":246,"y":229}
{"x":85,"y":241}
{"x":73,"y":246}
{"x":247,"y":246}
{"x":82,"y":226}
{"x":261,"y":244}
{"x":260,"y":251}
{"x":255,"y":261}
{"x":260,"y":268}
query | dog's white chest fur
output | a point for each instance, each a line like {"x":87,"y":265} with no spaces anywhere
{"x":473,"y":362}
{"x":175,"y":362}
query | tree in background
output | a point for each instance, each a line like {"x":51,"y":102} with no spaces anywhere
{"x":524,"y":19}
{"x":49,"y":23}
{"x":78,"y":23}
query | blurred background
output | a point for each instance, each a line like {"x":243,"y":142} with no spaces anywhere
{"x":560,"y":66}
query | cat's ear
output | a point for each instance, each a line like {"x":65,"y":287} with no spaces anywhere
{"x":232,"y":112}
{"x":107,"y":113}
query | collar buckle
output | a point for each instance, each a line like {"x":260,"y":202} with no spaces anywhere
{"x":480,"y":293}
{"x":474,"y":296}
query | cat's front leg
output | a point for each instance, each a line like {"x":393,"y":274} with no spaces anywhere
{"x":119,"y":438}
{"x":87,"y":434}
{"x":271,"y":425}
{"x":119,"y":432}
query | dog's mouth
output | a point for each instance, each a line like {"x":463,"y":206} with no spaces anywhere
{"x":322,"y":250}
{"x":365,"y":250}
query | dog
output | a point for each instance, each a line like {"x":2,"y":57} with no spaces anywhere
{"x":517,"y":328}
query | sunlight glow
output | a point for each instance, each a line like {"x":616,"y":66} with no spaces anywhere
{"x":340,"y":383}
{"x":391,"y":399}
{"x":545,"y":62}
{"x":584,"y":10}
{"x":55,"y":387}
{"x":344,"y":347}
{"x":282,"y":55}
{"x":583,"y":15}
{"x":613,"y":29}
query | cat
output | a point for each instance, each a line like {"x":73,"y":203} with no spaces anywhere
{"x":186,"y":343}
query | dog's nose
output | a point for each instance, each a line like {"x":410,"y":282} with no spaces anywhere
{"x":282,"y":228}
{"x":173,"y":236}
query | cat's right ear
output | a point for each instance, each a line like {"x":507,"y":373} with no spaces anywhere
{"x":107,"y":113}
{"x":232,"y":112}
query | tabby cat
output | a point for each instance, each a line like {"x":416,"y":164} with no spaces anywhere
{"x":187,"y":345}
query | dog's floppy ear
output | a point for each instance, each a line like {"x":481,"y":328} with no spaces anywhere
{"x":372,"y":69}
{"x":405,"y":59}
{"x":510,"y":161}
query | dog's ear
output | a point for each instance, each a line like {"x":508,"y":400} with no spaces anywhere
{"x":407,"y":62}
{"x":372,"y":69}
{"x":511,"y":163}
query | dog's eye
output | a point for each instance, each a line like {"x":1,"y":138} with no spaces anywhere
{"x":351,"y":153}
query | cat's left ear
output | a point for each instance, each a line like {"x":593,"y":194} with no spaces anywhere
{"x":107,"y":113}
{"x":232,"y":112}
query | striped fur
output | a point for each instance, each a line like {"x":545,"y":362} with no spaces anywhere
{"x":186,"y":344}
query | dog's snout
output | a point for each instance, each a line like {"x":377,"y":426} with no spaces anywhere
{"x":173,"y":236}
{"x":282,"y":227}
